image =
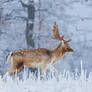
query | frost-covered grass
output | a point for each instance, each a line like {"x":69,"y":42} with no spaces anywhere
{"x":68,"y":82}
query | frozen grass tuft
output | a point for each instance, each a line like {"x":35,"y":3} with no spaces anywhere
{"x":68,"y":82}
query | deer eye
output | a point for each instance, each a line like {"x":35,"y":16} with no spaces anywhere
{"x":66,"y":48}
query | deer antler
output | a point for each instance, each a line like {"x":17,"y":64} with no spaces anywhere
{"x":56,"y":33}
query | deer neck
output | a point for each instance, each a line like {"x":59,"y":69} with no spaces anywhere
{"x":58,"y":53}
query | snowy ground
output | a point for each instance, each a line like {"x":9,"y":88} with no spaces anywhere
{"x":68,"y":82}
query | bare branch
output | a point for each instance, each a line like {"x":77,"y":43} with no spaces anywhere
{"x":23,"y":4}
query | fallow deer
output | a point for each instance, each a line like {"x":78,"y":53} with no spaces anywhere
{"x":39,"y":58}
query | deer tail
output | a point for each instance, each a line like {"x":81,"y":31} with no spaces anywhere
{"x":8,"y":57}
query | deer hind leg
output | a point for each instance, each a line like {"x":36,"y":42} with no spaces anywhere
{"x":18,"y":71}
{"x":19,"y":68}
{"x":10,"y":70}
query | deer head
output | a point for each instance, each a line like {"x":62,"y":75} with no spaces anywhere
{"x":64,"y":43}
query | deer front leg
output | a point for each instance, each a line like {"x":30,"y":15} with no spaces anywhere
{"x":54,"y":70}
{"x":43,"y":73}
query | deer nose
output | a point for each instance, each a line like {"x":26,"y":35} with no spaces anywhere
{"x":71,"y":50}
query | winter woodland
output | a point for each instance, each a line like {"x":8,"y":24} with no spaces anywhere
{"x":20,"y":31}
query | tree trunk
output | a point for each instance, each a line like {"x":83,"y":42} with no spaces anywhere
{"x":1,"y":9}
{"x":29,"y":28}
{"x":29,"y":34}
{"x":30,"y":25}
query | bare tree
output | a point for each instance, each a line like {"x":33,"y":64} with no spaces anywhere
{"x":29,"y":25}
{"x":30,"y":22}
{"x":1,"y":9}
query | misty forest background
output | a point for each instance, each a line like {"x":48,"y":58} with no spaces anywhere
{"x":28,"y":24}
